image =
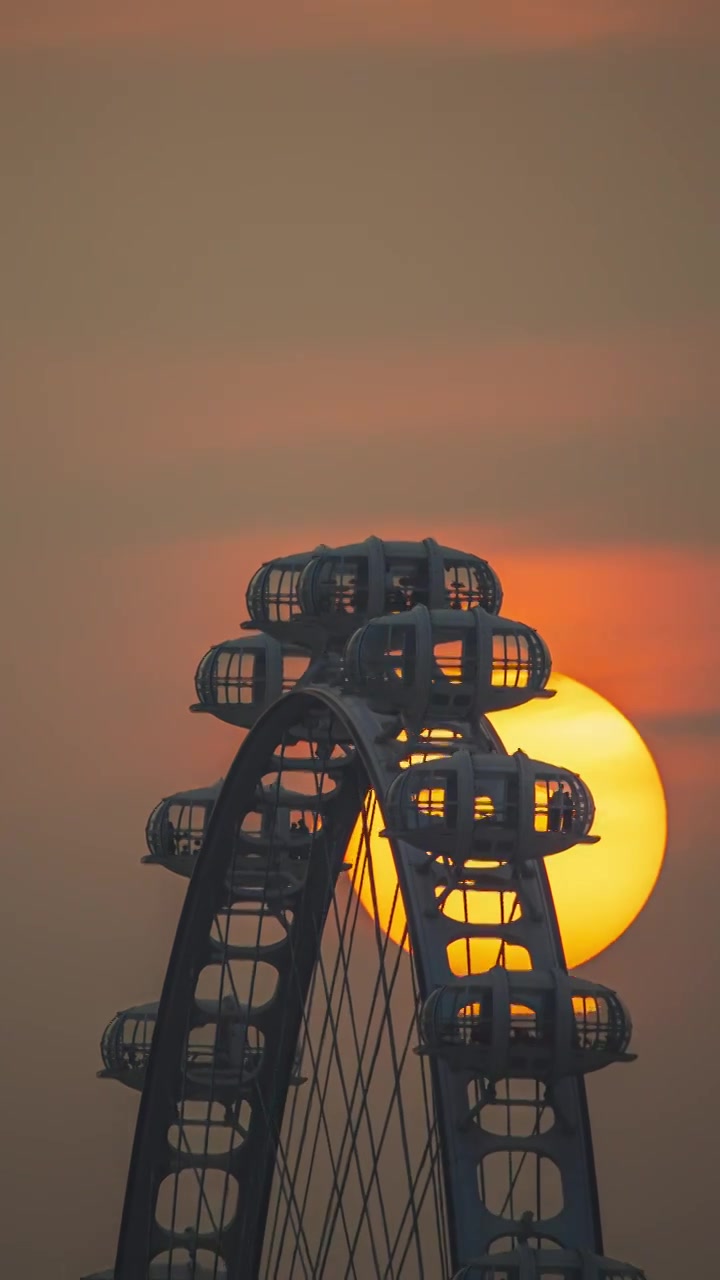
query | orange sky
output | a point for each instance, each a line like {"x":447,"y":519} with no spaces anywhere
{"x":325,"y":23}
{"x":599,"y":440}
{"x":315,"y":278}
{"x":576,"y":384}
{"x":134,"y":622}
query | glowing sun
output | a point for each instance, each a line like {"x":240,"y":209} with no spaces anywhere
{"x":598,"y":889}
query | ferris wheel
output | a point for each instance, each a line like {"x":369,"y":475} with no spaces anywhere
{"x":368,"y":1058}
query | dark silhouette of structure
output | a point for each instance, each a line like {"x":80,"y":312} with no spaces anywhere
{"x":318,"y":1101}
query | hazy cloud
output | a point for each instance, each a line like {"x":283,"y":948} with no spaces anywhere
{"x":218,"y":202}
{"x":578,"y":442}
{"x":252,"y":303}
{"x":96,"y":731}
{"x":702,"y":724}
{"x":283,"y":24}
{"x":646,"y":487}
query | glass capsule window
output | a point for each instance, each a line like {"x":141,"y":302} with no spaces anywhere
{"x":433,"y":801}
{"x":495,"y":804}
{"x":401,"y":653}
{"x":294,"y":667}
{"x":272,"y":595}
{"x":468,"y":585}
{"x":238,"y":677}
{"x":280,"y":593}
{"x":254,"y":594}
{"x":125,"y":1045}
{"x":448,"y":657}
{"x":465,"y":1016}
{"x":554,"y":809}
{"x":341,"y":585}
{"x":472,"y":1025}
{"x":204,"y":683}
{"x":512,"y":661}
{"x":526,"y":1026}
{"x":406,"y":584}
{"x":184,"y":828}
{"x":462,"y":586}
{"x":601,"y":1022}
{"x":388,"y":653}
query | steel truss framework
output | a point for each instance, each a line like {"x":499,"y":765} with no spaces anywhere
{"x":298,"y":1119}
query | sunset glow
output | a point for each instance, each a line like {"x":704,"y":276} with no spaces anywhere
{"x":598,"y":889}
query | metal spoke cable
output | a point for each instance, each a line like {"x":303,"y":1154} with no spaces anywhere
{"x":438,"y":1197}
{"x":315,"y":1090}
{"x":360,"y":1082}
{"x":320,"y":1094}
{"x":386,"y":1123}
{"x":410,"y":1208}
{"x":322,"y":1128}
{"x":288,"y":1192}
{"x":328,"y":1019}
{"x":293,"y":1114}
{"x":352,"y":1127}
{"x":369,"y":1019}
{"x":319,"y":968}
{"x":335,"y":1022}
{"x":431,"y":1154}
{"x":433,"y":1157}
{"x":394,"y":1058}
{"x":302,"y":1139}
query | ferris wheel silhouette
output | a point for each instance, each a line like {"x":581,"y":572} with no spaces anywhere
{"x":320,"y":1099}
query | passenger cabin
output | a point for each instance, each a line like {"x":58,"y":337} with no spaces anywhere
{"x":347,"y":585}
{"x":318,"y":599}
{"x":526,"y":1024}
{"x":176,"y":828}
{"x":489,"y":806}
{"x":273,"y":604}
{"x":440,"y":664}
{"x":240,"y":679}
{"x":222,"y":1046}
